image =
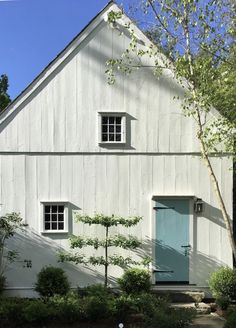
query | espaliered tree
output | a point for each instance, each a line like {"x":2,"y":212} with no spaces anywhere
{"x":109,"y":240}
{"x":197,"y":38}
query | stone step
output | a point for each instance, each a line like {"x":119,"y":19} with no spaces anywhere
{"x":181,"y":296}
{"x":208,"y":320}
{"x":201,"y":308}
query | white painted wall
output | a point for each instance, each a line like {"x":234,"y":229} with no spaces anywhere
{"x":121,"y":184}
{"x":49,"y":151}
{"x":62,"y":115}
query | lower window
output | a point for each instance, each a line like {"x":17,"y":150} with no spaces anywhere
{"x":55,"y":217}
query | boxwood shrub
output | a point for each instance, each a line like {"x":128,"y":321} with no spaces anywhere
{"x":135,"y":281}
{"x":52,"y":281}
{"x":222,"y":283}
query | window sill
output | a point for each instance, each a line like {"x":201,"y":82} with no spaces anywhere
{"x":54,"y":232}
{"x":110,"y":143}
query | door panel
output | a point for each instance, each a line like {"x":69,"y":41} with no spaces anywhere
{"x":172,"y":240}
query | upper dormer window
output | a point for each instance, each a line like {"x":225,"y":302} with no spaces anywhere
{"x":112,"y":127}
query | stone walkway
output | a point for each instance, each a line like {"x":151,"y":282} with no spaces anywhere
{"x":208,"y":321}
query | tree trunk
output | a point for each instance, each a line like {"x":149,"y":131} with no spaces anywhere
{"x":204,"y":151}
{"x":106,"y":259}
{"x":228,"y":223}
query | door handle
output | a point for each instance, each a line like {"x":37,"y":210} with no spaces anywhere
{"x":186,"y":246}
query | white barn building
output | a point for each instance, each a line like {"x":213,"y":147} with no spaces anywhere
{"x":73,"y":143}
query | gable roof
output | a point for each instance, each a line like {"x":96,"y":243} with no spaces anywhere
{"x":74,"y":44}
{"x":57,"y":61}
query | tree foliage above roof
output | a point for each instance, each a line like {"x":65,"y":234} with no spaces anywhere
{"x":4,"y":97}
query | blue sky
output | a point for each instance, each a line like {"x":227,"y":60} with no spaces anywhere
{"x":33,"y":32}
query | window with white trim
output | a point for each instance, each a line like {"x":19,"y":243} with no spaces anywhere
{"x":112,"y":127}
{"x":55,"y":217}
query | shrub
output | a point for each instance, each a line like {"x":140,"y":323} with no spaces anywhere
{"x":67,"y":308}
{"x":2,"y":283}
{"x":96,"y":308}
{"x":231,"y":320}
{"x":223,"y":302}
{"x":11,"y":311}
{"x":97,"y":301}
{"x":147,"y":303}
{"x":135,"y":281}
{"x":52,"y":281}
{"x":123,"y":306}
{"x":37,"y":312}
{"x":223,"y":283}
{"x":97,"y":290}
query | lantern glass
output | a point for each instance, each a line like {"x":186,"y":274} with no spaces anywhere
{"x":198,"y":206}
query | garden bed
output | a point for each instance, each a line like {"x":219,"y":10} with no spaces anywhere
{"x":97,"y":310}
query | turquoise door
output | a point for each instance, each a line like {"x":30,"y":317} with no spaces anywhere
{"x":172,"y":241}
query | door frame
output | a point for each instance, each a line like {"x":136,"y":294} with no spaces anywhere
{"x":191,"y":232}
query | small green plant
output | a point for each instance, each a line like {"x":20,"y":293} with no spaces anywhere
{"x":223,"y":283}
{"x":223,"y":302}
{"x":52,"y":281}
{"x":135,"y":281}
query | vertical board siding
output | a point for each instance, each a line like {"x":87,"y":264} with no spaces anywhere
{"x":122,"y":185}
{"x":32,"y":195}
{"x":61,"y":115}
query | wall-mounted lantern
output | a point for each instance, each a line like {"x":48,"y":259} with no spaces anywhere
{"x":198,"y":205}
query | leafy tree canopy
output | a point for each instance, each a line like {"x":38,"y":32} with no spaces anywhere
{"x":198,"y":38}
{"x":4,"y":97}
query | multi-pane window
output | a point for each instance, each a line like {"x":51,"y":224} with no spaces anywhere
{"x":112,"y":129}
{"x":54,"y":217}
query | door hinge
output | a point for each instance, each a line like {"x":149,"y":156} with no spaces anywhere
{"x":163,"y":208}
{"x":163,"y":271}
